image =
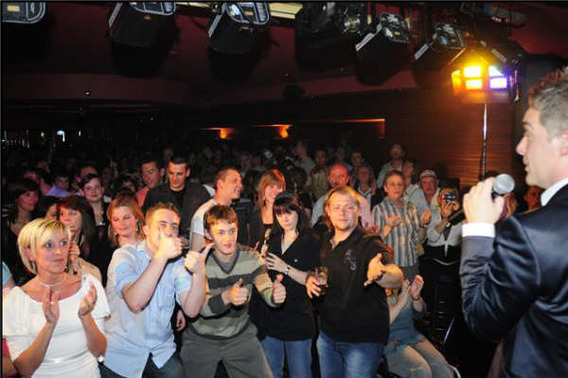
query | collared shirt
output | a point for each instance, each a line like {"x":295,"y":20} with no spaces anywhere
{"x":404,"y":238}
{"x":551,"y":191}
{"x":349,"y":311}
{"x":132,"y":337}
{"x":415,"y":194}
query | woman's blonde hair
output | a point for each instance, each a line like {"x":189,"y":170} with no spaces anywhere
{"x":34,"y":234}
{"x":318,"y":182}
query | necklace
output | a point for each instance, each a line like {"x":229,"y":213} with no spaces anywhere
{"x":51,"y":284}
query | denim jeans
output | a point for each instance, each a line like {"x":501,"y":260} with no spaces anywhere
{"x":349,"y":360}
{"x":298,"y":355}
{"x":171,"y":369}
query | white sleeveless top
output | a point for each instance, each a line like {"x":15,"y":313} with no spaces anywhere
{"x":67,"y":354}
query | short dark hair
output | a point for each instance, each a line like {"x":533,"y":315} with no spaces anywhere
{"x":218,"y":213}
{"x":88,"y":226}
{"x":222,"y":174}
{"x":88,"y":178}
{"x":161,"y":206}
{"x":178,"y":159}
{"x":151,"y":158}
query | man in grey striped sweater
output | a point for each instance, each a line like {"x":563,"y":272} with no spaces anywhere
{"x":223,"y":330}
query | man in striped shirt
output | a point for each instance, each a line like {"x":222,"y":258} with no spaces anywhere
{"x":223,"y":330}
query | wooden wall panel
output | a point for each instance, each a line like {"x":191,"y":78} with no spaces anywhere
{"x":453,"y":138}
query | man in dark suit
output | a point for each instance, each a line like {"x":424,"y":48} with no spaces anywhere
{"x":515,"y":282}
{"x":185,"y":195}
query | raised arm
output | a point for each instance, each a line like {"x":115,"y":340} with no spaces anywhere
{"x":192,"y":300}
{"x":388,"y":276}
{"x":138,"y":293}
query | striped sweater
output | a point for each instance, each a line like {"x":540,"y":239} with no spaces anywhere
{"x":220,"y":321}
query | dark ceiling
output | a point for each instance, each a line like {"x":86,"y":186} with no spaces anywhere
{"x":69,"y":61}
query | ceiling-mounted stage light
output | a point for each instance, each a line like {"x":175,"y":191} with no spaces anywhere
{"x":138,"y":23}
{"x":351,"y":18}
{"x":22,"y":12}
{"x":320,"y":43}
{"x":384,"y":51}
{"x":235,"y":27}
{"x":446,"y":45}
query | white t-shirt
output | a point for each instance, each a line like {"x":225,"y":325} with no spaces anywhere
{"x":197,"y":222}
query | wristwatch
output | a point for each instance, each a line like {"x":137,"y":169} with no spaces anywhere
{"x":287,"y":271}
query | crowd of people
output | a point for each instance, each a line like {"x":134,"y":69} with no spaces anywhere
{"x":176,"y":265}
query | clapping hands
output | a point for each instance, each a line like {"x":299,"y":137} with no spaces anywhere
{"x":50,"y":306}
{"x":88,"y":302}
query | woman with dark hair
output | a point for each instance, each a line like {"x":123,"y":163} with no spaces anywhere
{"x":292,"y":250}
{"x":93,"y":191}
{"x":84,"y":250}
{"x":23,"y":196}
{"x":47,"y":207}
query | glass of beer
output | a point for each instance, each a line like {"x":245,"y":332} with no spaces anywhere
{"x":321,"y":276}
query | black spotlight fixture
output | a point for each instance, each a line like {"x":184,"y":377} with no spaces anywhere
{"x":446,"y":45}
{"x":235,"y":27}
{"x":22,"y":12}
{"x":351,"y":18}
{"x":384,"y":50}
{"x":139,"y":23}
{"x":325,"y":34}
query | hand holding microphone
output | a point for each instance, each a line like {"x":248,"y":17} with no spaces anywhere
{"x":484,"y":202}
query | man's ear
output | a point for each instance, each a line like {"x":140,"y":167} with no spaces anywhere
{"x":207,"y":234}
{"x":162,"y":172}
{"x":187,"y":172}
{"x":146,"y":230}
{"x":563,"y":142}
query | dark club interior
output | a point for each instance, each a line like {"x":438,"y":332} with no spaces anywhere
{"x":265,"y":86}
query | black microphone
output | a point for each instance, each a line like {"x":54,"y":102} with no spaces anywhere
{"x":502,"y":185}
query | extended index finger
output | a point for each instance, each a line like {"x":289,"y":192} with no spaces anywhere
{"x":207,"y":249}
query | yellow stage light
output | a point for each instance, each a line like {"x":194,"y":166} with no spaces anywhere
{"x":473,"y":84}
{"x":472,"y":71}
